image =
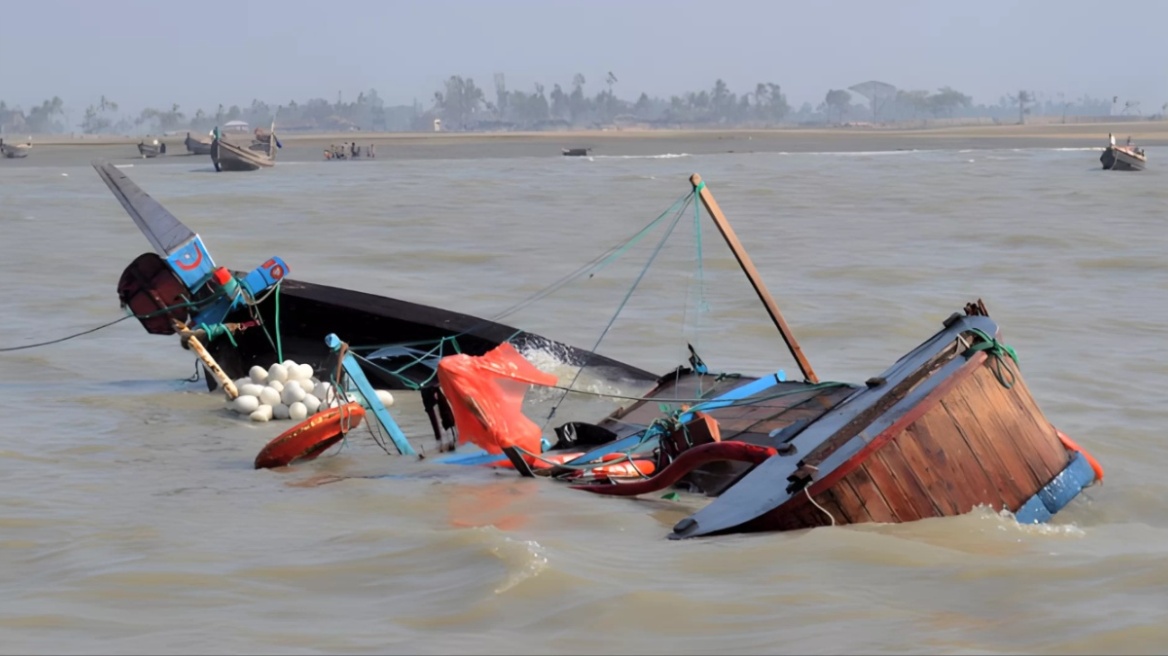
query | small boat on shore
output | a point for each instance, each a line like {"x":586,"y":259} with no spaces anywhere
{"x":576,"y":152}
{"x":152,"y":149}
{"x":15,"y":151}
{"x":198,"y":145}
{"x":227,"y":156}
{"x":1123,"y":158}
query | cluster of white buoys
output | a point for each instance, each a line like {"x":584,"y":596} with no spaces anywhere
{"x":287,"y":390}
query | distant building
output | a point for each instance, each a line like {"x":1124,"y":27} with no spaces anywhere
{"x":236,"y":126}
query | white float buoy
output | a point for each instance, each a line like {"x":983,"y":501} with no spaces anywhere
{"x":311,"y":403}
{"x":246,"y":405}
{"x":277,"y":372}
{"x":385,"y":397}
{"x":258,"y":375}
{"x":262,"y":413}
{"x":250,"y":389}
{"x":269,"y":396}
{"x":297,"y":411}
{"x":279,"y":411}
{"x":293,"y":393}
{"x":306,"y":371}
{"x":322,"y":391}
{"x":276,"y":385}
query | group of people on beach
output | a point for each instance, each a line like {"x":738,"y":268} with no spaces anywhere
{"x":348,"y":151}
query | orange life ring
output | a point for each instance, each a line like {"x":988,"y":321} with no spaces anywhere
{"x":1070,"y":445}
{"x":311,"y":437}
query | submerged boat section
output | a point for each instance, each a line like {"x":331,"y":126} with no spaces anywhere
{"x":949,"y":427}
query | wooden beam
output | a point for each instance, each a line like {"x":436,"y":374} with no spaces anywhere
{"x":225,"y":381}
{"x":747,"y":265}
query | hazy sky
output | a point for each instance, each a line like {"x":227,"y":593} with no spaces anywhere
{"x":202,"y":53}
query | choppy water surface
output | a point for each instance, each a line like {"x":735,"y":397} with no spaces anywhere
{"x":131,"y":520}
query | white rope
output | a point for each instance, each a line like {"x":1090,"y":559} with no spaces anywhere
{"x":821,"y":508}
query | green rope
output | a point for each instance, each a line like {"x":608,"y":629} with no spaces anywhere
{"x":217,"y":330}
{"x":624,"y":301}
{"x":591,"y":268}
{"x":276,"y":343}
{"x":595,"y":265}
{"x":279,"y":345}
{"x":995,"y":350}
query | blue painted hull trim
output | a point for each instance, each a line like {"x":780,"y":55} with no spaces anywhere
{"x":1057,"y":493}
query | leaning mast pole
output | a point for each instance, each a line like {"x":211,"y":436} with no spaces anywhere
{"x":747,"y":265}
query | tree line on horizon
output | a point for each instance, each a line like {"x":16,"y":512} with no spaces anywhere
{"x":462,"y":105}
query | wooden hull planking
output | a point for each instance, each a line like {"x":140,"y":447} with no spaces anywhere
{"x":936,"y":436}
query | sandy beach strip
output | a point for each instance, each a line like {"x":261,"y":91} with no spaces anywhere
{"x":66,"y":149}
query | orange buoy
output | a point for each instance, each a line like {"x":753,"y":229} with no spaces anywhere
{"x":1070,"y":445}
{"x":311,"y":437}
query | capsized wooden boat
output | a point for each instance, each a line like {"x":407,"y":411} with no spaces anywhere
{"x":200,"y":145}
{"x":275,"y":318}
{"x":1123,"y":158}
{"x":15,"y":151}
{"x":152,"y":149}
{"x":576,"y":152}
{"x":948,"y":427}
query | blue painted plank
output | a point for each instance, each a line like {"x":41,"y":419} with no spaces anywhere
{"x":357,"y":377}
{"x":1067,"y":485}
{"x":1033,"y":512}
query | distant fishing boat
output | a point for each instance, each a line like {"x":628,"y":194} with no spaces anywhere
{"x":576,"y":152}
{"x":15,"y":151}
{"x":151,"y":150}
{"x":198,"y":145}
{"x":1123,"y":158}
{"x":227,"y":156}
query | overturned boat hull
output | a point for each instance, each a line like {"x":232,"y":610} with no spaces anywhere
{"x":948,"y":428}
{"x":399,"y":341}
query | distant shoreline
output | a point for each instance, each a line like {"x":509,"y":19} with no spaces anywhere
{"x":1085,"y":134}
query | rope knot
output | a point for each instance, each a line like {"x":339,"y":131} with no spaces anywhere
{"x":996,"y":352}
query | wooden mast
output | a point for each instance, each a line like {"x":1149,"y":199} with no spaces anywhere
{"x":747,"y":265}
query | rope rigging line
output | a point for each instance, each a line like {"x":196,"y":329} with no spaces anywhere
{"x":700,"y":276}
{"x":129,"y":315}
{"x":590,"y":269}
{"x":624,"y":301}
{"x":597,"y":264}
